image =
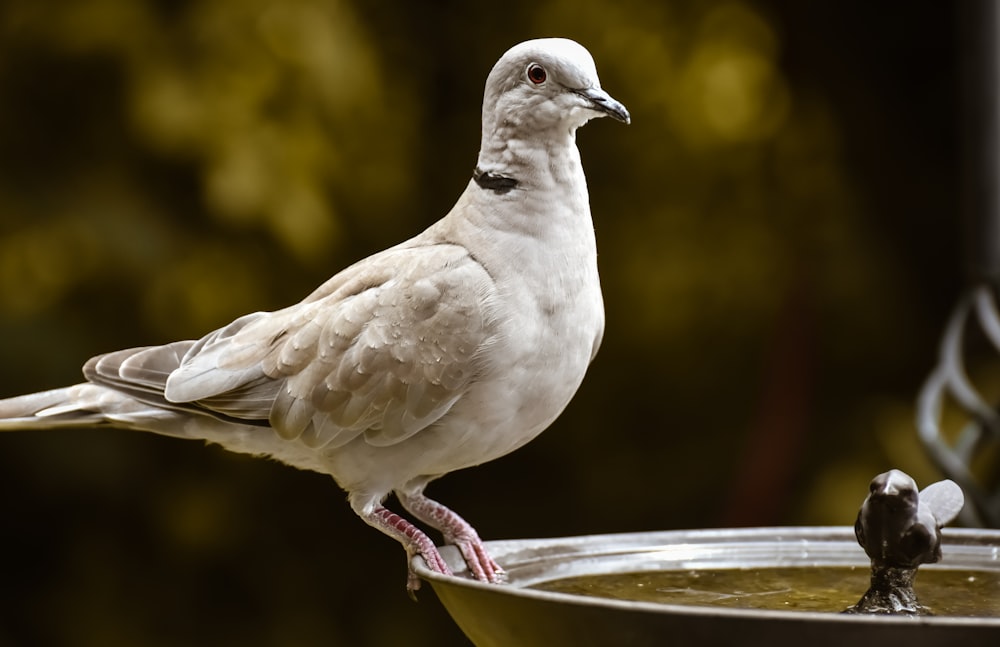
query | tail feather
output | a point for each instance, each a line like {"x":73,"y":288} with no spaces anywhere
{"x":80,"y":405}
{"x":90,"y":405}
{"x":58,"y":408}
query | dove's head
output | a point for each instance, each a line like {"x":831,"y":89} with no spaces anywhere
{"x":543,"y":84}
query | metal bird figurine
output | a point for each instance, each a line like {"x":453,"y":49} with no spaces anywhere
{"x":900,"y":529}
{"x":897,"y":526}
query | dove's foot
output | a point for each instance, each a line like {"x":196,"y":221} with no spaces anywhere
{"x":457,"y":532}
{"x":413,"y":539}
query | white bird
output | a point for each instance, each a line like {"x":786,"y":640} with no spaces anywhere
{"x":443,"y":352}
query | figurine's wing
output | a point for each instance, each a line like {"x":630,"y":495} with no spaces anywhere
{"x":944,"y":500}
{"x":920,"y":544}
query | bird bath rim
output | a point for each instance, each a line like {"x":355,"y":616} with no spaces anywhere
{"x":532,"y":561}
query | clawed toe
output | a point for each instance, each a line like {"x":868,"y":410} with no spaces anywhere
{"x":457,"y":532}
{"x":434,"y":562}
{"x":482,"y":567}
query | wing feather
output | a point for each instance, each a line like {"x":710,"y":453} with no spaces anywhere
{"x":383,"y":353}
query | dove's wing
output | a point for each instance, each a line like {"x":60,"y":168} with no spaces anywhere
{"x":385,"y":350}
{"x":944,"y":500}
{"x":143,"y":373}
{"x":139,"y":372}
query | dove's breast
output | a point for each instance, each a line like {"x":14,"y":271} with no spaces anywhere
{"x":549,"y":315}
{"x":545,"y":317}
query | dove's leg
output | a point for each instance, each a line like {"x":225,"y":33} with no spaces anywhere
{"x":414,"y":540}
{"x":456,"y":531}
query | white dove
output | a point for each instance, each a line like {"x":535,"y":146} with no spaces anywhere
{"x":443,"y":352}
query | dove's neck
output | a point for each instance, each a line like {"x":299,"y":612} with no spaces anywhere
{"x":544,"y":161}
{"x":542,"y":222}
{"x":547,"y":201}
{"x":534,"y":175}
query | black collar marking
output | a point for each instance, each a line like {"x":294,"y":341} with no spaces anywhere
{"x":498,"y":184}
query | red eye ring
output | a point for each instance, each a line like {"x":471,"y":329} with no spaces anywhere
{"x":536,"y":74}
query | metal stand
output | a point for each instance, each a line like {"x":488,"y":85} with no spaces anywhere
{"x":982,"y":433}
{"x":978,"y":305}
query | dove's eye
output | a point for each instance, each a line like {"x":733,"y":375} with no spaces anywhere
{"x":536,"y":74}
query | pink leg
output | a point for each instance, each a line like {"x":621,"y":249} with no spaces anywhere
{"x":457,"y":531}
{"x":413,"y":539}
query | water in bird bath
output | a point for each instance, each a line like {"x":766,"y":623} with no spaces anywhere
{"x":944,"y":592}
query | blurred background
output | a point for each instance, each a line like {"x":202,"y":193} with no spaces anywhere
{"x":780,"y":244}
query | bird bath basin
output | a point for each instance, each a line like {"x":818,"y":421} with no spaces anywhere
{"x":661,"y":588}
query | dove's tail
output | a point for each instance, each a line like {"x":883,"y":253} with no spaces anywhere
{"x":81,"y":405}
{"x":58,"y":408}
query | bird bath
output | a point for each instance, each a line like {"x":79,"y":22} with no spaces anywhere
{"x":647,"y":576}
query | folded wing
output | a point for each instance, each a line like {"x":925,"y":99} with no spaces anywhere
{"x":383,"y":350}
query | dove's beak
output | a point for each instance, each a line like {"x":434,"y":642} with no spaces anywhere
{"x":601,"y":101}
